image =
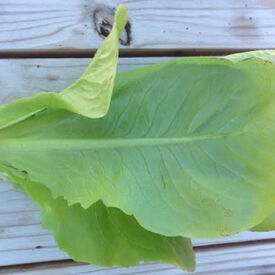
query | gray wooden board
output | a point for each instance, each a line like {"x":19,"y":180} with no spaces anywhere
{"x":155,"y":24}
{"x":245,"y":259}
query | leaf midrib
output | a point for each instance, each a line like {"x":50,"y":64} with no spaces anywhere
{"x":103,"y":143}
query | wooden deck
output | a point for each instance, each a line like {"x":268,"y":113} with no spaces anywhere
{"x":33,"y":33}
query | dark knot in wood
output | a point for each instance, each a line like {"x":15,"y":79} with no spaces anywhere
{"x":103,"y":18}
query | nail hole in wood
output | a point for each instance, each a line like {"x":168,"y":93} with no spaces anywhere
{"x":103,"y":18}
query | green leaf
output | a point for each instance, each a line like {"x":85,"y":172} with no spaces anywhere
{"x":101,"y":235}
{"x":88,"y":96}
{"x":268,"y":55}
{"x":187,"y":147}
{"x":267,"y":224}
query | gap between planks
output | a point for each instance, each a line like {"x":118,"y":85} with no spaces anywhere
{"x":155,"y":24}
{"x":134,"y":53}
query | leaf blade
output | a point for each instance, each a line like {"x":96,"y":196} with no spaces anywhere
{"x":200,"y":154}
{"x":268,"y":224}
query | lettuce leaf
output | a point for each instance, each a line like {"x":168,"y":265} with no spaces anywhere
{"x":187,"y":147}
{"x":269,"y":55}
{"x":268,"y":224}
{"x":101,"y":235}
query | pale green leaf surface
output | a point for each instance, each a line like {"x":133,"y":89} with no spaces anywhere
{"x":101,"y":235}
{"x":268,"y":55}
{"x":88,"y":96}
{"x":187,"y":147}
{"x":267,"y":224}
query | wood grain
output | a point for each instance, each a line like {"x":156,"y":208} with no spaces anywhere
{"x":68,"y":26}
{"x":22,"y":240}
{"x":246,"y":259}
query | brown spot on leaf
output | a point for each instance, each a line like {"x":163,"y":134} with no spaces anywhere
{"x":228,"y":213}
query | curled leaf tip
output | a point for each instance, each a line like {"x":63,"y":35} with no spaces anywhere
{"x":121,"y":18}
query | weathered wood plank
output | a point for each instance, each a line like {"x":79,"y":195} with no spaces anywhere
{"x":155,"y":24}
{"x":246,"y":259}
{"x":22,"y":240}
